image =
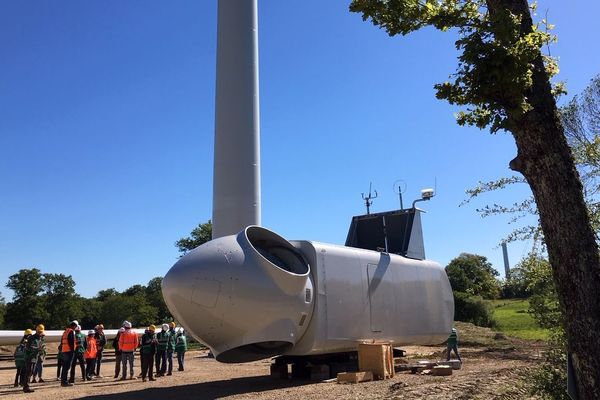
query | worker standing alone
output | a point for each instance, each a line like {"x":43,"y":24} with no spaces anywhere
{"x":147,"y":351}
{"x":452,"y":345}
{"x":90,"y":355}
{"x":128,"y":343}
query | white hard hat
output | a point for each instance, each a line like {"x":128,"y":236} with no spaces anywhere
{"x":127,"y":324}
{"x":74,"y":322}
{"x":165,"y":327}
{"x":91,"y":332}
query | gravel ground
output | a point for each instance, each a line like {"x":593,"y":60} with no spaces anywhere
{"x":487,"y":373}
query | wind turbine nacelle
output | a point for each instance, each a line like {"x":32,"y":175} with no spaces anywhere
{"x":255,"y":295}
{"x":247,"y":296}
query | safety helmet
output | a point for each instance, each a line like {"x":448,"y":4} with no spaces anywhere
{"x":27,"y":332}
{"x":74,"y":322}
{"x":453,"y":329}
{"x":172,"y":324}
{"x":127,"y":324}
{"x":91,"y":332}
{"x":100,"y":326}
{"x":165,"y":327}
{"x":40,"y":328}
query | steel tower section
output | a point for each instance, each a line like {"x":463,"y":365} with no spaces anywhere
{"x":236,"y":174}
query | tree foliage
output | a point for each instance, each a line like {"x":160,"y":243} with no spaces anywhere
{"x":581,"y":119}
{"x":200,"y":235}
{"x":474,"y":275}
{"x":496,"y":62}
{"x":51,"y":299}
{"x":2,"y":310}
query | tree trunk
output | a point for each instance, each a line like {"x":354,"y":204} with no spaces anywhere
{"x":545,"y":159}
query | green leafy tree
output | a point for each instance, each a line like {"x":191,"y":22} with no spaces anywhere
{"x":515,"y":285}
{"x":503,"y":80}
{"x":200,"y":235}
{"x":474,"y":275}
{"x":60,"y":300}
{"x":155,"y":299}
{"x":26,"y":309}
{"x":91,"y":314}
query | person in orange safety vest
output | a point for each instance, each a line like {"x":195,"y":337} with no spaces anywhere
{"x":90,"y":355}
{"x":128,"y":343}
{"x":67,"y":345}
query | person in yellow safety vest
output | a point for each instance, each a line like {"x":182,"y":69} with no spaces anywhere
{"x":80,"y":346}
{"x":67,"y":346}
{"x":128,"y":343}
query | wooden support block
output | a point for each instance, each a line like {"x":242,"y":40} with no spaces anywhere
{"x":354,"y":377}
{"x":377,"y":358}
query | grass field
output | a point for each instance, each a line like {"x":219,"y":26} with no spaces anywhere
{"x":514,"y":320}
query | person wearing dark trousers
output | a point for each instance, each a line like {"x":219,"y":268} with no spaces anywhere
{"x":452,"y":345}
{"x":162,"y":338}
{"x":20,"y":356}
{"x":67,"y":344}
{"x":91,"y":351}
{"x":59,"y":362}
{"x":118,"y":353}
{"x":80,"y":346}
{"x":100,"y":343}
{"x":147,"y":350}
{"x":180,"y":347}
{"x":35,"y":347}
{"x":171,"y":347}
{"x":128,"y":343}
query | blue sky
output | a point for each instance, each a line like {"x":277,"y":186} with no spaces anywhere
{"x":107,"y":122}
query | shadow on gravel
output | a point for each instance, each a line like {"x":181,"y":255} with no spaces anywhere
{"x":207,"y":390}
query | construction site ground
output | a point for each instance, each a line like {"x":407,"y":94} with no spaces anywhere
{"x":494,"y":367}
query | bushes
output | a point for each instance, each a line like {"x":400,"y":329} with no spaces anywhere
{"x":473,"y":309}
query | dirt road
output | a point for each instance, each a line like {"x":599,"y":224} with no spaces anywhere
{"x":489,"y":372}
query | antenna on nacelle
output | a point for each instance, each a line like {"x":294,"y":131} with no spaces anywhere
{"x":369,"y":198}
{"x":400,"y":187}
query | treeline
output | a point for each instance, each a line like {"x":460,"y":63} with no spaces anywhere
{"x":51,"y":299}
{"x":474,"y":281}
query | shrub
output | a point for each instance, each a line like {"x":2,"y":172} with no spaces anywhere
{"x":473,"y":309}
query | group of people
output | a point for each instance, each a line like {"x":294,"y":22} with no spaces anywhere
{"x":156,"y":349}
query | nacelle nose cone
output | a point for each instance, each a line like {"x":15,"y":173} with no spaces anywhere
{"x":248,"y":296}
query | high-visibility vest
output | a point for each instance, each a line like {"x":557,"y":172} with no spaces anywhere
{"x":65,"y":346}
{"x":128,"y":341}
{"x":92,"y":349}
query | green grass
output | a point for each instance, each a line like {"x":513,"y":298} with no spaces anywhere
{"x":514,"y":320}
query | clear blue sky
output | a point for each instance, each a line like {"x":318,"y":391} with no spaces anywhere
{"x":107,"y":117}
